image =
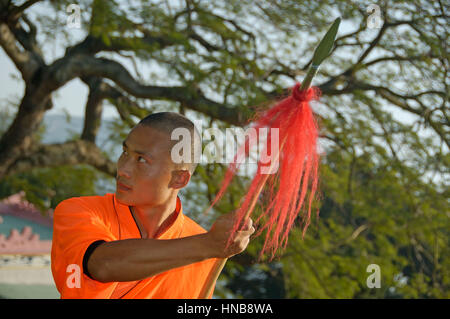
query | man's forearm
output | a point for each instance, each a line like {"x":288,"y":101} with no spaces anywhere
{"x":136,"y":259}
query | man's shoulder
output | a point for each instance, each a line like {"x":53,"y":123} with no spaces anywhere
{"x":86,"y":202}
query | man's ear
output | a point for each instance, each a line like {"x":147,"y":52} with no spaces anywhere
{"x":180,"y":178}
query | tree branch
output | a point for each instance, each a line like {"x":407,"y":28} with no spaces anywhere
{"x":93,"y":110}
{"x":402,"y":102}
{"x":124,"y":105}
{"x":22,"y":59}
{"x":68,"y":153}
{"x":16,"y":11}
{"x":79,"y":65}
{"x":28,"y":39}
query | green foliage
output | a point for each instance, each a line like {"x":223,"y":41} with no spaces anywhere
{"x":47,"y":187}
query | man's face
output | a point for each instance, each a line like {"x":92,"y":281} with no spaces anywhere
{"x":145,"y":169}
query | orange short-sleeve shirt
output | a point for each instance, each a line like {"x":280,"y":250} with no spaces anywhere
{"x":80,"y":221}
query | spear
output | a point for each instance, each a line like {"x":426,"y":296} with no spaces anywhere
{"x":296,"y":164}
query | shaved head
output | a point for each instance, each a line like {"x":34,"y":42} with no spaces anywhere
{"x":167,"y":122}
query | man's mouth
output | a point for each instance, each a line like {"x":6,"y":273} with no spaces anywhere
{"x":122,"y":187}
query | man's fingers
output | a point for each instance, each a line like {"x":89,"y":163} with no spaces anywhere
{"x":248,"y":224}
{"x":251,"y":230}
{"x":246,"y":233}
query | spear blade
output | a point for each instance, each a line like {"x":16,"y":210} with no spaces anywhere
{"x":322,"y":51}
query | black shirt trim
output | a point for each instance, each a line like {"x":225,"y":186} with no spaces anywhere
{"x":88,"y":254}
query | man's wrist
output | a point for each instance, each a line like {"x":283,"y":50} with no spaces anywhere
{"x":206,"y":246}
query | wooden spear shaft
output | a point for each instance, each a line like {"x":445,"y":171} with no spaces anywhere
{"x":218,"y":266}
{"x":321,"y":52}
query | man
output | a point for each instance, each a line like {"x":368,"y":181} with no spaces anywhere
{"x":137,"y":243}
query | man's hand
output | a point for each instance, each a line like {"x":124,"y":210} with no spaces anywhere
{"x":138,"y":258}
{"x":219,"y":234}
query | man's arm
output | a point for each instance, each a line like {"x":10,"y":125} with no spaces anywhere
{"x":136,"y":259}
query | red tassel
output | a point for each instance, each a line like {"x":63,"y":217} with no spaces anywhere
{"x":286,"y":190}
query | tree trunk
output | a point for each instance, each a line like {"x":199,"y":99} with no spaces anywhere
{"x":18,"y":138}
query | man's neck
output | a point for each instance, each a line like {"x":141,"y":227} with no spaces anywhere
{"x":152,"y":219}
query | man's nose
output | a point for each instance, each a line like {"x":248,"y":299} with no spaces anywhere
{"x":124,"y":169}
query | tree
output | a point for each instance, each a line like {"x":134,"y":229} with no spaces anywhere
{"x":220,"y":59}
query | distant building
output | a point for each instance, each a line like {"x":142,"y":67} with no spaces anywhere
{"x":23,"y":228}
{"x":25,"y":246}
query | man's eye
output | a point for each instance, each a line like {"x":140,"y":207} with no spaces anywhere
{"x":124,"y":152}
{"x":141,"y":159}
